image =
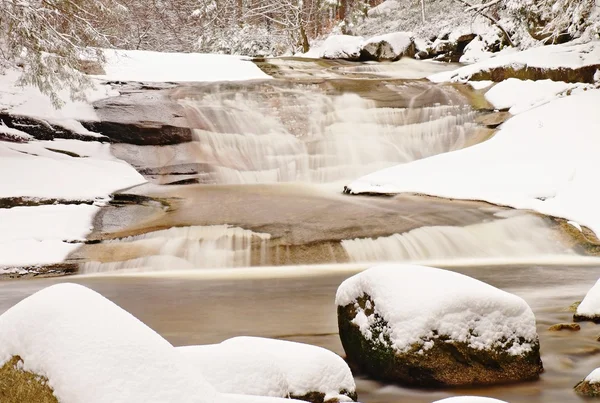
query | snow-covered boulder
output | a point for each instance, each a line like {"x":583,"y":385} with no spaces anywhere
{"x":260,"y":366}
{"x":234,"y":369}
{"x":589,"y":309}
{"x":590,"y":386}
{"x":424,"y":326}
{"x":338,"y":47}
{"x":87,"y":349}
{"x":388,"y":47}
{"x":469,"y":399}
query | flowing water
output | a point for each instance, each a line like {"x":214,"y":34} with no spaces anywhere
{"x":245,"y":230}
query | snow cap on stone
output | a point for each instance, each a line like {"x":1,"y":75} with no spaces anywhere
{"x":590,"y":306}
{"x":234,"y":369}
{"x":469,"y":399}
{"x":93,"y":351}
{"x":417,"y":301}
{"x":307,"y":368}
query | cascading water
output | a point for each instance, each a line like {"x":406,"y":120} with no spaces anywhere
{"x":521,"y":236}
{"x":182,"y":248}
{"x":308,"y":134}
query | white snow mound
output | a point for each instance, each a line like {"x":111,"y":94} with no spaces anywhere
{"x":141,"y":65}
{"x":338,"y":47}
{"x":469,"y":399}
{"x":594,"y":376}
{"x":590,"y":306}
{"x":417,"y":300}
{"x":306,"y":368}
{"x":234,"y":369}
{"x":399,"y":41}
{"x":95,"y":352}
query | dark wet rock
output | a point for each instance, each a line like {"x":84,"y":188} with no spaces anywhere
{"x":142,"y":117}
{"x":493,"y":120}
{"x":588,"y":389}
{"x":448,"y":363}
{"x":583,"y":74}
{"x":564,"y":326}
{"x":319,"y":397}
{"x":9,"y":202}
{"x":42,"y":130}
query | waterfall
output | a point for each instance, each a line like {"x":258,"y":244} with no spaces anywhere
{"x":305,"y":134}
{"x":180,"y":248}
{"x":518,"y":236}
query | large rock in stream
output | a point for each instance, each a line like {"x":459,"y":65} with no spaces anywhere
{"x":427,"y":327}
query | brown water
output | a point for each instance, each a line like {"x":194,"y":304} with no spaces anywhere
{"x":297,"y":304}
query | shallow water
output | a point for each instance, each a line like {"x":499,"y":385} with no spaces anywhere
{"x":288,"y":303}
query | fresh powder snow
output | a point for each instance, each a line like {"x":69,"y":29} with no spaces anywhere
{"x":337,"y":47}
{"x":590,"y":306}
{"x":594,"y":376}
{"x":236,"y":369}
{"x":92,"y":351}
{"x":139,"y":65}
{"x":399,"y":41}
{"x":417,"y":300}
{"x":306,"y":368}
{"x":469,"y":399}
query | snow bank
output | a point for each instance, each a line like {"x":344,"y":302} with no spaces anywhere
{"x":469,"y":399}
{"x":338,"y":47}
{"x":29,"y":101}
{"x":544,"y":159}
{"x":306,"y":368}
{"x":30,"y":170}
{"x":37,"y":234}
{"x":590,"y":306}
{"x":139,"y":65}
{"x":548,"y":57}
{"x":93,"y":351}
{"x":520,"y":95}
{"x":416,"y":300}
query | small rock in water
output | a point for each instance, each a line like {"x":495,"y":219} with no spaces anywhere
{"x":590,"y":386}
{"x":589,"y":309}
{"x":428,"y":327}
{"x":564,"y":326}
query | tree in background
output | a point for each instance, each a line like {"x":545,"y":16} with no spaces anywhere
{"x":50,"y":40}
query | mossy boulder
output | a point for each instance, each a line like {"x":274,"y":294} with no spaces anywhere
{"x":589,"y":308}
{"x":437,"y":357}
{"x":388,"y":47}
{"x":19,"y":386}
{"x":590,"y":386}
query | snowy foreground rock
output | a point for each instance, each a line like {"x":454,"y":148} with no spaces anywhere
{"x":590,"y":386}
{"x":268,"y":367}
{"x":424,"y":326}
{"x":92,"y":351}
{"x":469,"y":399}
{"x":589,"y":309}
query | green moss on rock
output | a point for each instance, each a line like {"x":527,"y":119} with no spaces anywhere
{"x":447,"y":363}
